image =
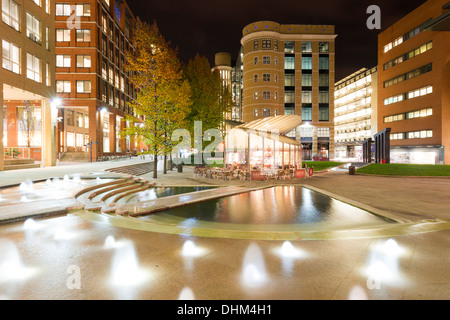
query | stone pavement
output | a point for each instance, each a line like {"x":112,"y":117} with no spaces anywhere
{"x":218,"y":268}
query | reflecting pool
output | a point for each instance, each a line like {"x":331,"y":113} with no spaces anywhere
{"x":282,"y":205}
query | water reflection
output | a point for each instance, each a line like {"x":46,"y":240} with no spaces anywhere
{"x":278,"y":205}
{"x":254,"y":273}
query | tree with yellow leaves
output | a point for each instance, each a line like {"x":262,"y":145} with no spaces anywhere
{"x":162,"y":101}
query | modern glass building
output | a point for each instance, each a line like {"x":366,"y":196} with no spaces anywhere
{"x":290,"y":70}
{"x":355,"y":111}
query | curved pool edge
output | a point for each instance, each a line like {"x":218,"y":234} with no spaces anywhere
{"x":381,"y":231}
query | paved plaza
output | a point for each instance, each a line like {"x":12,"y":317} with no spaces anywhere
{"x":118,"y":259}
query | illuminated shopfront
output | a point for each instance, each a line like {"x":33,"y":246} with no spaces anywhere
{"x":262,"y":144}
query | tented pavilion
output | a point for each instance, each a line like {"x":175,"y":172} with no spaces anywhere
{"x":263,"y":145}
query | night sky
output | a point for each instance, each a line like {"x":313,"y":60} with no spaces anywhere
{"x":209,"y":26}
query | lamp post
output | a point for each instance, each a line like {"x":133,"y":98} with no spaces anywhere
{"x":90,"y":148}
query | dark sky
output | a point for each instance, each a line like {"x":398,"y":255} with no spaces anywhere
{"x":209,"y":26}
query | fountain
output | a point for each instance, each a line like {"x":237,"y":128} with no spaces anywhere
{"x":31,"y":224}
{"x":191,"y":250}
{"x":253,"y":268}
{"x":382,"y":267}
{"x":357,"y":293}
{"x":66,"y":179}
{"x":76,"y":179}
{"x":26,"y":186}
{"x":125,"y":270}
{"x":11,"y":265}
{"x":186,"y":294}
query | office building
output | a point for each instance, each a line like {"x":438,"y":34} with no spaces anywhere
{"x":27,"y":118}
{"x":91,"y":79}
{"x":290,"y":69}
{"x":355,"y":111}
{"x":414,"y":84}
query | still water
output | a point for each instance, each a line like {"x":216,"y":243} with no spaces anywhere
{"x":277,"y":205}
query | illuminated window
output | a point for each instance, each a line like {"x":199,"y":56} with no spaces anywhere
{"x":83,"y":86}
{"x":63,"y":86}
{"x":63,"y":60}
{"x":33,"y":68}
{"x":83,"y":35}
{"x":11,"y":57}
{"x":33,"y":28}
{"x":10,"y":14}
{"x":62,"y":35}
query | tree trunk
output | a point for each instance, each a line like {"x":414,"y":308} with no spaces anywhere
{"x":171,"y":162}
{"x":155,"y":165}
{"x":165,"y":164}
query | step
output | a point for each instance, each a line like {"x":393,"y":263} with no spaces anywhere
{"x":12,"y":162}
{"x":22,"y":166}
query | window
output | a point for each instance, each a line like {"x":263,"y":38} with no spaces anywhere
{"x":63,"y":60}
{"x":255,"y":78}
{"x":307,"y":63}
{"x":83,"y":10}
{"x":289,"y":80}
{"x":323,"y":132}
{"x":419,"y":92}
{"x":47,"y":40}
{"x":47,"y":75}
{"x":323,"y":47}
{"x":10,"y":14}
{"x":275,"y":45}
{"x":255,"y":113}
{"x":289,"y":46}
{"x":306,"y":46}
{"x":83,"y":86}
{"x":324,"y":97}
{"x":324,"y":113}
{"x":83,"y":61}
{"x":289,"y":63}
{"x":324,"y":63}
{"x":11,"y":57}
{"x":33,"y":28}
{"x":255,"y":61}
{"x":420,"y":134}
{"x":266,"y":95}
{"x":306,"y":96}
{"x":70,"y":118}
{"x":104,"y":70}
{"x":266,"y":60}
{"x":266,"y":77}
{"x":397,"y":136}
{"x":63,"y":86}
{"x":393,"y":99}
{"x":306,"y":80}
{"x":419,"y":113}
{"x":266,"y":112}
{"x":83,"y":35}
{"x":33,"y":68}
{"x":255,"y":45}
{"x":422,"y":49}
{"x":306,"y":113}
{"x":62,"y":35}
{"x":255,"y":95}
{"x":324,"y":80}
{"x":38,"y":2}
{"x":63,"y":9}
{"x":289,"y":97}
{"x":266,"y":44}
{"x":409,"y":75}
